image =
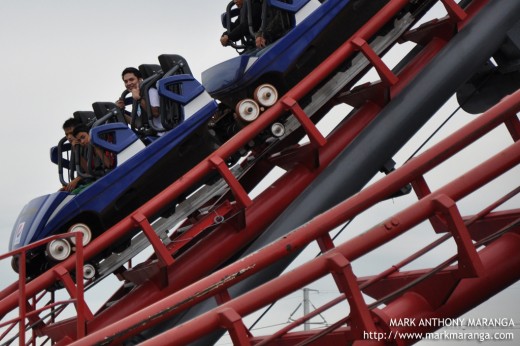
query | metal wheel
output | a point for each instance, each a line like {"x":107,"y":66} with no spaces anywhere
{"x":58,"y":249}
{"x":266,"y":95}
{"x":248,"y":110}
{"x":278,"y":130}
{"x":81,"y":227}
{"x":89,"y":271}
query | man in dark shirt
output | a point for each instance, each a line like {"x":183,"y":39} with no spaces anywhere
{"x":240,"y":28}
{"x":276,"y":24}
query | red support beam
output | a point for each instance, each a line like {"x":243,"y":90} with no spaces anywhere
{"x":360,"y":316}
{"x":204,"y":167}
{"x":329,"y":220}
{"x":325,"y":243}
{"x":513,"y":125}
{"x":239,"y":140}
{"x":314,"y":134}
{"x":354,"y":248}
{"x":237,"y":330}
{"x":238,"y":191}
{"x":387,"y":76}
{"x":161,"y":251}
{"x":469,"y":262}
{"x":455,"y":12}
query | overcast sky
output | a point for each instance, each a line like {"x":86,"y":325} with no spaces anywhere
{"x":60,"y":56}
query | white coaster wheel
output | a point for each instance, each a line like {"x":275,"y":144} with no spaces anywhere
{"x":278,"y":130}
{"x":58,"y":249}
{"x":266,"y":95}
{"x":89,"y":271}
{"x":81,"y":227}
{"x":248,"y":110}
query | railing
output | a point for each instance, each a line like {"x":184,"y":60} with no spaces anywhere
{"x":29,"y":311}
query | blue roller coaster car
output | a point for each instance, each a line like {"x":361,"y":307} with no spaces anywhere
{"x":142,"y":171}
{"x":318,"y":28}
{"x":195,"y":124}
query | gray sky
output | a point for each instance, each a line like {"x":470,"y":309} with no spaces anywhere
{"x":60,"y":56}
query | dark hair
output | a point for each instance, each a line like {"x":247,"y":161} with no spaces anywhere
{"x":80,"y":128}
{"x":132,"y":70}
{"x":70,"y":122}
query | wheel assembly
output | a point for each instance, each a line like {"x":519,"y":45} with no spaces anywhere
{"x":278,"y":130}
{"x":266,"y":95}
{"x":248,"y":110}
{"x":89,"y":271}
{"x":58,"y":249}
{"x":84,"y":229}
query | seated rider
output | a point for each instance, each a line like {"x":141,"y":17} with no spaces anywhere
{"x":275,"y":24}
{"x":68,"y":127}
{"x":133,"y":78}
{"x":100,"y":161}
{"x":240,"y":27}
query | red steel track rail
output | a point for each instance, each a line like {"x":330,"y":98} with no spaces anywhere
{"x":337,"y":259}
{"x":477,"y":265}
{"x":191,"y":273}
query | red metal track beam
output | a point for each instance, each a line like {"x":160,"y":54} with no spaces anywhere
{"x":192,"y":177}
{"x":346,"y":281}
{"x":160,"y":249}
{"x":196,"y":264}
{"x":346,"y":210}
{"x":315,"y":136}
{"x":241,"y":138}
{"x":240,"y":194}
{"x":456,"y":13}
{"x":469,"y":262}
{"x":352,"y":249}
{"x":258,"y":216}
{"x":387,"y":76}
{"x":501,"y":262}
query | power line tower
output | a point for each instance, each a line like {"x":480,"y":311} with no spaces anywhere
{"x":306,"y":303}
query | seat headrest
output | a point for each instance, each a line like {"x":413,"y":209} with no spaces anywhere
{"x":85,"y":117}
{"x":169,"y":61}
{"x":148,"y":70}
{"x":103,"y":108}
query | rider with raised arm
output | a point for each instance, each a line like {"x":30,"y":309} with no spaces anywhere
{"x":133,"y":78}
{"x":240,"y":27}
